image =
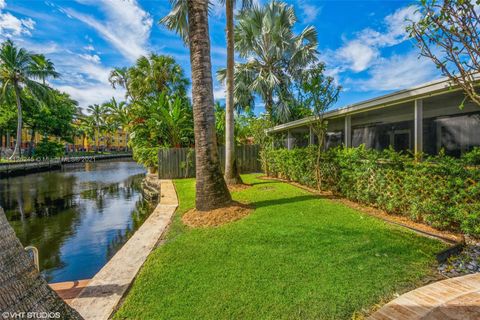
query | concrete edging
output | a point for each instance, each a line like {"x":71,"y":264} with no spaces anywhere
{"x":100,"y":297}
{"x":455,"y":298}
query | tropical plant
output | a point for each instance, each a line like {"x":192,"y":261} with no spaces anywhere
{"x":118,"y":115}
{"x":211,"y":189}
{"x":44,"y":67}
{"x":318,"y":92}
{"x":274,"y":54}
{"x":97,"y":121}
{"x":47,"y":149}
{"x":162,"y":121}
{"x":19,"y":72}
{"x":119,"y":78}
{"x":155,"y":74}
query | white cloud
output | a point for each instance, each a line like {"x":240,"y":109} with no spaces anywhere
{"x":357,"y":55}
{"x":87,"y":94}
{"x":219,"y":93}
{"x":89,"y":47}
{"x":310,"y":12}
{"x":126,"y":25}
{"x":361,"y":52}
{"x":90,"y":57}
{"x":397,"y":72}
{"x":11,"y":26}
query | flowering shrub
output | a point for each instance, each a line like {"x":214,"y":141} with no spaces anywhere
{"x":440,"y":191}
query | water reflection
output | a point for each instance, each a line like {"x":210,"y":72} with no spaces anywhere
{"x":78,"y":217}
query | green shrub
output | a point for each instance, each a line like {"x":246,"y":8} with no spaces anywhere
{"x":46,"y":149}
{"x":147,"y":156}
{"x":440,"y":191}
{"x":472,"y":157}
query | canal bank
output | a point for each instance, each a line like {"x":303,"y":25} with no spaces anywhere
{"x":11,"y":169}
{"x":78,"y":217}
{"x":100,"y":296}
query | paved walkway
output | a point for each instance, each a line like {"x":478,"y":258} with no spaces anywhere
{"x":103,"y":293}
{"x":455,"y":298}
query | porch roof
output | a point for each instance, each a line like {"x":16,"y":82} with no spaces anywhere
{"x":425,"y":90}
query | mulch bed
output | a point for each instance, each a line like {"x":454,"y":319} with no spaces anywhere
{"x":214,"y":218}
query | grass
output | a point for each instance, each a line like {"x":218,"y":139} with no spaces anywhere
{"x":296,"y":256}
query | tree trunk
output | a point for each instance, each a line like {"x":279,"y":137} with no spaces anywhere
{"x":32,"y":140}
{"x":211,"y":189}
{"x":18,"y":143}
{"x":232,"y":175}
{"x":22,"y":289}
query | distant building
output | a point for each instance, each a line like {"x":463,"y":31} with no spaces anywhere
{"x":426,"y":118}
{"x":117,"y":141}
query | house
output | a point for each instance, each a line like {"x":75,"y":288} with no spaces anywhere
{"x":425,"y":118}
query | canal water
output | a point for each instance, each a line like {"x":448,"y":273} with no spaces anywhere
{"x":77,"y":217}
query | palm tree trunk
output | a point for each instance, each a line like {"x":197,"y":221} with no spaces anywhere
{"x":232,"y":175}
{"x":211,"y":189}
{"x":22,"y":289}
{"x":18,"y":143}
{"x":32,"y":140}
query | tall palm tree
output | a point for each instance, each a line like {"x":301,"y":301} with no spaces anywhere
{"x":18,"y":71}
{"x":211,"y":189}
{"x":265,"y":37}
{"x":232,"y":175}
{"x":22,"y":288}
{"x":177,"y":20}
{"x":119,"y":77}
{"x":97,"y":116}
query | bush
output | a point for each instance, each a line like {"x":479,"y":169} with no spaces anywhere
{"x":440,"y":191}
{"x":46,"y":149}
{"x":473,"y":157}
{"x":147,"y":156}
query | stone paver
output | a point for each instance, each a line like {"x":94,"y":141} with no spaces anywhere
{"x":103,"y":293}
{"x":455,"y":298}
{"x":69,"y":290}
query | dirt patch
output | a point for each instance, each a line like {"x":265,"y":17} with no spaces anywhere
{"x":217,"y":217}
{"x":238,"y":187}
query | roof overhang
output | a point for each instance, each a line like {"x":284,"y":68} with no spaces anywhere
{"x":425,"y":90}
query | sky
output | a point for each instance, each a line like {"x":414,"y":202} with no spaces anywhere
{"x":363,"y":42}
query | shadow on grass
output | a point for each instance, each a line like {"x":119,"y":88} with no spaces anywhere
{"x":283,"y":201}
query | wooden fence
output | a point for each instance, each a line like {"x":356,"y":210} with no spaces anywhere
{"x":180,"y":162}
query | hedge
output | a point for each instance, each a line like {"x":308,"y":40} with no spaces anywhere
{"x":441,"y":191}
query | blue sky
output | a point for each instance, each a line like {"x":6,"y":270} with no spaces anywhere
{"x":362,"y":42}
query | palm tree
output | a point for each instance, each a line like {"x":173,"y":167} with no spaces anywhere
{"x":97,"y":116}
{"x":177,"y":20}
{"x":22,"y":288}
{"x":18,"y":71}
{"x":44,"y":67}
{"x":211,"y":189}
{"x":232,"y":175}
{"x":120,"y":77}
{"x":275,"y":55}
{"x":155,"y":74}
{"x":119,"y":114}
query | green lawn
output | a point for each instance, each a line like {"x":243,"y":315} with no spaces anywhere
{"x":296,"y":256}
